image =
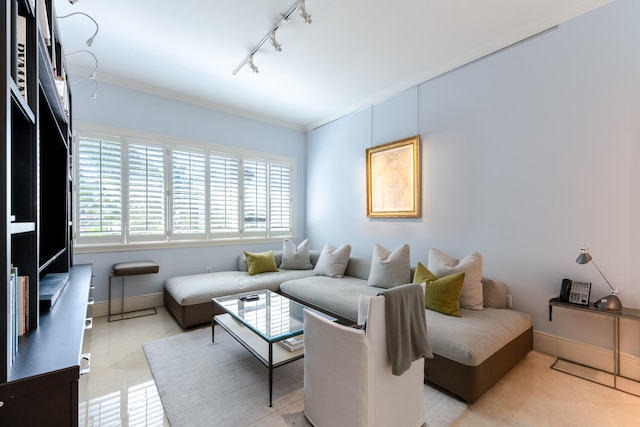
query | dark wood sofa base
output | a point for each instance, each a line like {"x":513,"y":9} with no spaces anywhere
{"x":191,"y":315}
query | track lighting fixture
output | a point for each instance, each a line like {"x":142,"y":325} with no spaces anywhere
{"x":277,"y":46}
{"x":92,"y":76}
{"x":303,"y":12}
{"x":90,"y":40}
{"x":299,"y":5}
{"x":73,"y":1}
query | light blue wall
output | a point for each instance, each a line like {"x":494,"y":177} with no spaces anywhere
{"x":119,"y":107}
{"x":526,"y":156}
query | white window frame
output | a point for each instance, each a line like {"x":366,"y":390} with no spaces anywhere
{"x":169,"y":238}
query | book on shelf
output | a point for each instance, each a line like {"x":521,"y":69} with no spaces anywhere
{"x":18,"y":308}
{"x":43,"y":22}
{"x":61,"y":85}
{"x":23,"y":304}
{"x":22,"y":56}
{"x":293,"y":343}
{"x":13,"y":312}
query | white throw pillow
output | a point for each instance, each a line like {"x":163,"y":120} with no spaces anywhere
{"x":442,"y":265}
{"x":390,"y":268}
{"x":295,"y":258}
{"x":332,"y":262}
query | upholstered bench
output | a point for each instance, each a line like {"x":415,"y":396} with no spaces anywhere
{"x":124,"y":269}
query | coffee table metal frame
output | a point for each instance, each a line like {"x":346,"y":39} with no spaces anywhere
{"x":244,"y":328}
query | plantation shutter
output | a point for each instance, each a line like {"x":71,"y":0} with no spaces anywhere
{"x":188,"y":194}
{"x":99,"y":191}
{"x":279,"y":199}
{"x":147,"y":214}
{"x":255,"y":196}
{"x":224,"y":194}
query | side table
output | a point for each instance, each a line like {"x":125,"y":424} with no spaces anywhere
{"x":124,"y":269}
{"x":625,"y":313}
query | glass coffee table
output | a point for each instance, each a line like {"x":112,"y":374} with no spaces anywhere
{"x":260,"y":319}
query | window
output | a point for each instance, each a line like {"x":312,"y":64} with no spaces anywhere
{"x":255,"y":195}
{"x":188,"y":194}
{"x":147,"y":194}
{"x":224,"y":194}
{"x":134,"y":190}
{"x":99,"y":193}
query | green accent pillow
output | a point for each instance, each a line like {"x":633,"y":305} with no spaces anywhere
{"x":441,"y":294}
{"x":423,"y":275}
{"x":260,"y":262}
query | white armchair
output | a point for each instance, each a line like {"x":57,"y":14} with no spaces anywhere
{"x":348,"y":379}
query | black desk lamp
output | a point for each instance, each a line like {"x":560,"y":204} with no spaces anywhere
{"x":610,"y":302}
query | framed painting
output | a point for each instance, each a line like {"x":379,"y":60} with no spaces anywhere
{"x":393,"y":179}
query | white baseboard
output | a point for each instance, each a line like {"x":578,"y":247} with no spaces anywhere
{"x":575,"y":351}
{"x":586,"y":354}
{"x":101,"y":309}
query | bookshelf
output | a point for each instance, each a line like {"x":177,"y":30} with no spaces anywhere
{"x":40,"y":347}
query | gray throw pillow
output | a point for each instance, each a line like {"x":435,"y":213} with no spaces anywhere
{"x":295,"y":258}
{"x":332,"y":262}
{"x":389,"y":269}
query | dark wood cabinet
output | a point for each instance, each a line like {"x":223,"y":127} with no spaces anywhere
{"x":43,"y":387}
{"x":40,"y":347}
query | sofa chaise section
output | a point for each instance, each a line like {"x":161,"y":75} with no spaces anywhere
{"x":188,"y":298}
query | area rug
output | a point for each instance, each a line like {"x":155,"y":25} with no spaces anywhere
{"x":222,"y":384}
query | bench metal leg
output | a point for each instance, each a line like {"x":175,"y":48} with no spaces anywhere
{"x":122,"y":312}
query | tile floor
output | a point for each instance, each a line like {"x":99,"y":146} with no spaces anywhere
{"x":120,"y":391}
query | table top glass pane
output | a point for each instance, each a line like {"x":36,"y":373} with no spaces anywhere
{"x":272,"y":316}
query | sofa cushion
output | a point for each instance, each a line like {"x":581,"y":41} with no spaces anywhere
{"x":477,"y":335}
{"x":358,"y":267}
{"x":328,"y":294}
{"x":200,"y":288}
{"x":295,"y":257}
{"x":494,"y":293}
{"x":390,"y":268}
{"x":263,"y":262}
{"x":332,"y":262}
{"x":442,"y":265}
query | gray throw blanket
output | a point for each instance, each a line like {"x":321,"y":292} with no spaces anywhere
{"x":406,"y":326}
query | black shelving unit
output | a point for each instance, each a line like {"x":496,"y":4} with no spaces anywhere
{"x":39,"y":365}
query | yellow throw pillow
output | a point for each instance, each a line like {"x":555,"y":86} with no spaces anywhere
{"x":260,"y":262}
{"x":441,"y":294}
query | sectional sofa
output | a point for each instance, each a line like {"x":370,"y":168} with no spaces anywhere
{"x":471,"y":352}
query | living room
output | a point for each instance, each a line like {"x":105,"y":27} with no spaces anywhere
{"x":526,"y":156}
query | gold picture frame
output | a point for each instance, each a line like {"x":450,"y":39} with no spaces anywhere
{"x":393,"y":179}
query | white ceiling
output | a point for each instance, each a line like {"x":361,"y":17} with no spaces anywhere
{"x":354,"y":54}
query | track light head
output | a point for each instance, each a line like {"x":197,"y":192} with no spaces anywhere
{"x":73,"y":1}
{"x":252,"y":65}
{"x":303,"y":13}
{"x":274,"y":42}
{"x":90,"y":39}
{"x":92,"y":75}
